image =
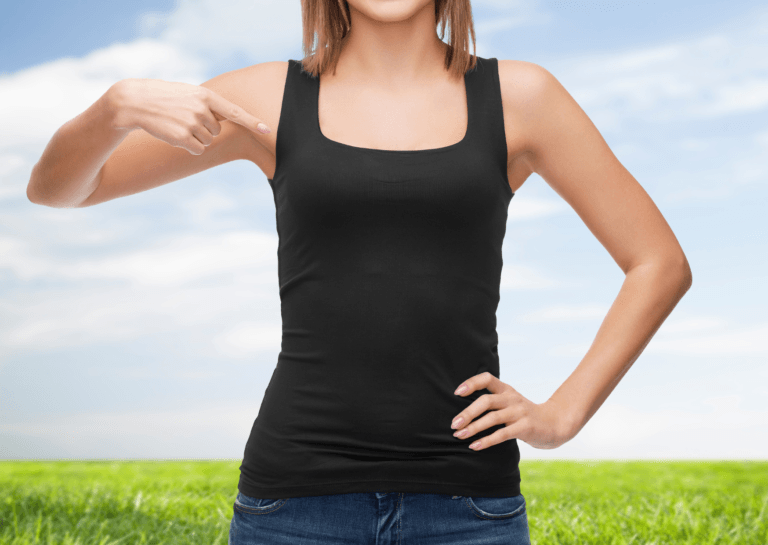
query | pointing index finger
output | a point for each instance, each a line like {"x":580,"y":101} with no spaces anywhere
{"x":223,"y":108}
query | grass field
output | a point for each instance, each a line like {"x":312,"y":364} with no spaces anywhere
{"x":109,"y":503}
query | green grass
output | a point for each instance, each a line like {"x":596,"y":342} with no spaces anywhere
{"x":110,"y":503}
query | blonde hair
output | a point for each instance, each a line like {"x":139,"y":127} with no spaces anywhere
{"x":329,"y":21}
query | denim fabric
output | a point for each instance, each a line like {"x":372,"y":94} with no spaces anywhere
{"x":380,"y":518}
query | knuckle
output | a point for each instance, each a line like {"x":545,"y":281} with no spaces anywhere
{"x":490,"y":440}
{"x":495,"y":418}
{"x":200,"y":92}
{"x":179,"y":134}
{"x":525,"y":425}
{"x":192,"y":120}
{"x":499,"y":401}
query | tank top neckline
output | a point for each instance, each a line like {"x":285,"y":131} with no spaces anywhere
{"x":451,"y":147}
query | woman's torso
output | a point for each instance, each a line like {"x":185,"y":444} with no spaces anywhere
{"x":389,"y":265}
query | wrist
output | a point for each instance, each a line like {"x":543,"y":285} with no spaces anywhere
{"x":569,"y":421}
{"x":117,"y":106}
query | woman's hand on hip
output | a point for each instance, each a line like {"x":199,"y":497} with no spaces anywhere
{"x":541,"y":425}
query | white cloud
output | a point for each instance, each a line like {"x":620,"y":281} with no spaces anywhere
{"x":263,"y":30}
{"x":521,"y":277}
{"x":13,"y":175}
{"x":577,"y":349}
{"x":36,"y":101}
{"x":175,"y":283}
{"x":564,"y":313}
{"x":693,"y":79}
{"x":529,"y":208}
{"x":617,"y":431}
{"x":249,"y":338}
{"x":170,"y":261}
{"x":748,"y":340}
{"x":202,"y":207}
{"x":507,"y":14}
{"x":51,"y":320}
{"x":686,"y":325}
{"x":209,"y":430}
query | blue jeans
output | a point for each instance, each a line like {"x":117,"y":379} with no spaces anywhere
{"x":383,"y":518}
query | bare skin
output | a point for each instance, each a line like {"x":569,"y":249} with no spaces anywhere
{"x":146,"y":133}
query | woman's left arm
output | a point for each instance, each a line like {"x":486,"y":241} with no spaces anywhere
{"x":569,"y":153}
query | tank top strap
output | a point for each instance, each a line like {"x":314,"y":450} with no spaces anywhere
{"x":296,"y":111}
{"x":486,"y":108}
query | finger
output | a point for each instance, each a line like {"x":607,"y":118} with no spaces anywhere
{"x":193,"y":145}
{"x":211,"y":123}
{"x":487,"y":402}
{"x":231,"y":111}
{"x":203,"y":135}
{"x":489,"y":420}
{"x":478,"y":382}
{"x":499,"y":436}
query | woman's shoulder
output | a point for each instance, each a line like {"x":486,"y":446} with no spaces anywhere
{"x":517,"y":76}
{"x":525,"y":94}
{"x":528,"y":91}
{"x":258,"y":89}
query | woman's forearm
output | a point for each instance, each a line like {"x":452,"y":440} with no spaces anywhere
{"x":649,"y":293}
{"x":68,"y":170}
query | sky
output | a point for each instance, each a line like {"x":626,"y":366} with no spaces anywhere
{"x":148,"y":327}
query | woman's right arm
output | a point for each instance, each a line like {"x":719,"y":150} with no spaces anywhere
{"x":140,"y":134}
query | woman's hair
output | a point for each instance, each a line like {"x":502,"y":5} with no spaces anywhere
{"x":326,"y":24}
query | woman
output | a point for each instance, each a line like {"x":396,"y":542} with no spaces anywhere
{"x":391,"y":182}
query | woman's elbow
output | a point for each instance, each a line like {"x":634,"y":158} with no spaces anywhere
{"x":681,"y":268}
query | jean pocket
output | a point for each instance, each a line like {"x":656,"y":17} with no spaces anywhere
{"x":258,"y":506}
{"x":486,"y":507}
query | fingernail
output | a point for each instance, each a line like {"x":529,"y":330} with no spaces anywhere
{"x":462,"y":389}
{"x":261,"y":127}
{"x":474,"y":445}
{"x":457,"y":422}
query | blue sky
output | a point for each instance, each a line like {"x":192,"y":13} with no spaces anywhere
{"x":149,"y":326}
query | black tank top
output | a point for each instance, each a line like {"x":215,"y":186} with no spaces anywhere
{"x":389,"y":264}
